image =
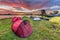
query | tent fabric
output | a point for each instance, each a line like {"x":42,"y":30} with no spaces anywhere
{"x":22,"y":28}
{"x":15,"y":25}
{"x":14,"y":19}
{"x":31,"y":4}
{"x":36,"y":18}
{"x":26,"y":30}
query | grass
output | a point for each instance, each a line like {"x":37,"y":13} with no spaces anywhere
{"x":42,"y":30}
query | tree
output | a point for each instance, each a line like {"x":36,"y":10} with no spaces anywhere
{"x":43,"y":13}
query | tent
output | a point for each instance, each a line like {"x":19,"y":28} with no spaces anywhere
{"x":31,"y":5}
{"x":36,"y":18}
{"x":21,"y":28}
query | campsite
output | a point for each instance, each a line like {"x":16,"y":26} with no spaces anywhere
{"x":42,"y":30}
{"x":29,"y":19}
{"x":44,"y":27}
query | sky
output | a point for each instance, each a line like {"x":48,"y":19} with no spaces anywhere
{"x":31,"y":4}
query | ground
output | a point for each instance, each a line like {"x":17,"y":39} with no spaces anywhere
{"x":42,"y":30}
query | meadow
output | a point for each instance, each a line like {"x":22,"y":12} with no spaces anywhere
{"x":42,"y":30}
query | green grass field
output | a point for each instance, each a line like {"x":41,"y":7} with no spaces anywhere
{"x":42,"y":30}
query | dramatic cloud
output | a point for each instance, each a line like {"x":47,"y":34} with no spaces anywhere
{"x":30,"y":4}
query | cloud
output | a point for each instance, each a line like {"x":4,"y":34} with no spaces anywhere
{"x":54,"y":7}
{"x":21,"y":9}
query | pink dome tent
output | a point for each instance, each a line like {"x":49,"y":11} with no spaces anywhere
{"x":21,"y":28}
